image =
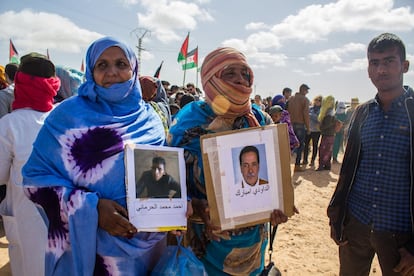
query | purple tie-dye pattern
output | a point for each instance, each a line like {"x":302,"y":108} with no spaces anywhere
{"x":49,"y":199}
{"x":101,"y":269}
{"x":94,"y":146}
{"x":84,"y":150}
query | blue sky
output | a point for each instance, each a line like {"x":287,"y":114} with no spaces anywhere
{"x":320,"y":43}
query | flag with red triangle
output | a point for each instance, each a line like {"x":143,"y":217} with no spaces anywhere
{"x":82,"y":67}
{"x":182,"y":55}
{"x":13,"y":54}
{"x":191,"y":60}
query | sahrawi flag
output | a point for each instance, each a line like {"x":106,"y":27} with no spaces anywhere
{"x":192,"y":60}
{"x":184,"y":48}
{"x":13,"y":54}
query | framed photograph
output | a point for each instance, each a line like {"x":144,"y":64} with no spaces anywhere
{"x":156,"y":189}
{"x":247,"y":174}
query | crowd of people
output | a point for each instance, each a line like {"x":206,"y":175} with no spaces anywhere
{"x":62,"y":135}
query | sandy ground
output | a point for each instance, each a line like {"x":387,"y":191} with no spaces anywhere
{"x":303,"y":245}
{"x":4,"y":254}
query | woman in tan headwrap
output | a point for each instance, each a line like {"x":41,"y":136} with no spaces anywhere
{"x":227,"y":82}
{"x":328,"y":123}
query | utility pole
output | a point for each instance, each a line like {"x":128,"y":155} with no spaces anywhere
{"x":140,"y":33}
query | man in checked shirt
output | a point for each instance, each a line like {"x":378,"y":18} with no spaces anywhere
{"x":372,"y":209}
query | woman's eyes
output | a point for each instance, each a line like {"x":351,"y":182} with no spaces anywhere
{"x":122,"y":64}
{"x":101,"y":65}
{"x":118,"y":64}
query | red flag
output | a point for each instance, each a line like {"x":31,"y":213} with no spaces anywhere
{"x":157,"y":72}
{"x":13,"y":54}
{"x":184,"y":48}
{"x":82,"y":67}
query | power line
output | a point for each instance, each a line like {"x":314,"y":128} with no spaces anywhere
{"x":140,"y":33}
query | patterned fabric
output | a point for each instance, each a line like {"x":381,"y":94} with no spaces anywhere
{"x":228,"y":100}
{"x":285,"y":118}
{"x":189,"y":124}
{"x":293,"y":140}
{"x":243,"y":253}
{"x":227,"y":107}
{"x":78,"y":159}
{"x":163,"y":116}
{"x":34,"y":92}
{"x":381,"y":192}
{"x":325,"y":151}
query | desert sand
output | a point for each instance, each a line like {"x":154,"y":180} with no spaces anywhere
{"x":302,"y":245}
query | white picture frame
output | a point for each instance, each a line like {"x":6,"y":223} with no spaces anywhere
{"x":159,"y":213}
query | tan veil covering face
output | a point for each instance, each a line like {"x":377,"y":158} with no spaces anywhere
{"x":228,"y":100}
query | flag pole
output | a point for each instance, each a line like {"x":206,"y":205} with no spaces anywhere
{"x":185,"y":64}
{"x":197,"y":69}
{"x":197,"y":76}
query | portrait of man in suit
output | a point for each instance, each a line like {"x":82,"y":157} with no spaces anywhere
{"x":249,"y":160}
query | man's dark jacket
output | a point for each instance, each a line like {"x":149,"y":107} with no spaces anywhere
{"x":339,"y":203}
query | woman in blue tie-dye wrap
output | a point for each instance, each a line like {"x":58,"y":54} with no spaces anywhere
{"x":76,"y":170}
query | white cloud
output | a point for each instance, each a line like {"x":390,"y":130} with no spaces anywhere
{"x":278,"y":60}
{"x":263,"y":40}
{"x":356,"y":65}
{"x":316,"y":22}
{"x":129,"y":2}
{"x":332,"y":56}
{"x":253,"y":26}
{"x":37,"y":31}
{"x":239,"y":45}
{"x":325,"y":57}
{"x":259,"y":40}
{"x":306,"y":74}
{"x":165,"y":18}
{"x":254,"y":55}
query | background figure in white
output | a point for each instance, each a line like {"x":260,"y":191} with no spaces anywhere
{"x":26,"y":230}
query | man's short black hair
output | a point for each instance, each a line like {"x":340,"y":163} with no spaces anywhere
{"x":158,"y":160}
{"x":387,"y":41}
{"x":249,"y":149}
{"x":286,"y":90}
{"x":11,"y":70}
